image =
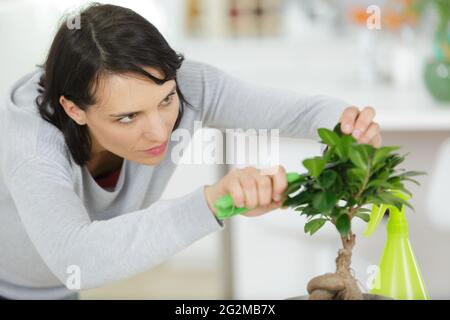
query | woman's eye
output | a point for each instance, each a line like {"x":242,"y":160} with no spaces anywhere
{"x":126,"y":122}
{"x":166,"y":101}
{"x":169,"y":99}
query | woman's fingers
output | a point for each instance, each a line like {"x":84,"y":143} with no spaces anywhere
{"x":250,"y":189}
{"x":361,"y":126}
{"x":371,"y":132}
{"x":264,"y":184}
{"x":348,"y":119}
{"x":237,"y":193}
{"x":376,"y":141}
{"x":363,"y":122}
{"x":258,"y":190}
{"x":279,"y":183}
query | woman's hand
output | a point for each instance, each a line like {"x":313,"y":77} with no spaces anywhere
{"x":251,"y":188}
{"x":361,"y":126}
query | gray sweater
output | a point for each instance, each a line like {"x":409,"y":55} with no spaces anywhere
{"x":54,"y":217}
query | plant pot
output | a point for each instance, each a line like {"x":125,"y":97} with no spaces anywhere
{"x":367,"y":296}
{"x":437,"y":79}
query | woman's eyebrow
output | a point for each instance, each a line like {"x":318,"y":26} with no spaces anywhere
{"x":119,"y":115}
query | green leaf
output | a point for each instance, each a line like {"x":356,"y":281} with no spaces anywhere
{"x":292,"y":188}
{"x":328,"y":178}
{"x":356,"y":175}
{"x":314,"y":166}
{"x":337,"y":211}
{"x":301,"y":198}
{"x":314,"y":225}
{"x":328,"y":136}
{"x":324,"y":201}
{"x":308,"y":210}
{"x":343,"y":224}
{"x":338,"y":186}
{"x":376,"y":168}
{"x":389,"y":198}
{"x":350,"y":200}
{"x":363,"y":216}
{"x":406,"y":177}
{"x":378,"y":183}
{"x":365,"y":210}
{"x":337,"y":129}
{"x":296,"y":185}
{"x":328,"y":154}
{"x":396,"y":160}
{"x":402,"y":188}
{"x":344,"y":146}
{"x":382,"y":153}
{"x":359,"y":155}
{"x":412,"y":173}
{"x":412,"y":180}
{"x":394,"y":179}
{"x":382,"y":174}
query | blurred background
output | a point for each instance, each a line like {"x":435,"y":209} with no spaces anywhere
{"x":393,"y":55}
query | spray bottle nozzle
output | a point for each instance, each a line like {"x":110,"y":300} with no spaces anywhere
{"x":397,"y":220}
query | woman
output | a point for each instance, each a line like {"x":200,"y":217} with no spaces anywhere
{"x":79,"y":196}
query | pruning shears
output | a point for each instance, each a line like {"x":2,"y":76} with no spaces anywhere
{"x":225,"y":205}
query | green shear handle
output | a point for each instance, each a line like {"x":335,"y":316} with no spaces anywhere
{"x":225,"y":205}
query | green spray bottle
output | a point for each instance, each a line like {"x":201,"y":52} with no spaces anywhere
{"x":398,"y":275}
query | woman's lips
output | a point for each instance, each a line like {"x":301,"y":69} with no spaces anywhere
{"x":156,"y":150}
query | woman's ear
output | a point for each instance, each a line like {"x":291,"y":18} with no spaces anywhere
{"x":73,"y":111}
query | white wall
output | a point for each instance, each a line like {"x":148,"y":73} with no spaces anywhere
{"x":27,"y":28}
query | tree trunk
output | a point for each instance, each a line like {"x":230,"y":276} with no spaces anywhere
{"x":340,"y":285}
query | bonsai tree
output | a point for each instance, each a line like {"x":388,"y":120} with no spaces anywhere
{"x":336,"y":188}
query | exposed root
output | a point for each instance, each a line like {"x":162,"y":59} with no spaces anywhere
{"x":340,"y":285}
{"x":325,"y":287}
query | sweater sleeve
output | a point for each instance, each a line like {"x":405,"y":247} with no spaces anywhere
{"x":229,"y":102}
{"x":103,"y":251}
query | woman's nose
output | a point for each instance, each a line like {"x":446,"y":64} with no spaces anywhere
{"x":154,"y":128}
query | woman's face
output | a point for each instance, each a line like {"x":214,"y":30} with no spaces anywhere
{"x":132,"y":114}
